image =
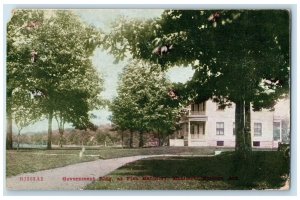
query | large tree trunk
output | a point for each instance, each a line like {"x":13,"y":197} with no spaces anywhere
{"x":9,"y":132}
{"x":49,"y":146}
{"x":141,"y":140}
{"x":242,"y":161}
{"x":131,"y":139}
{"x":243,"y":128}
{"x":239,"y":126}
{"x":247,"y":132}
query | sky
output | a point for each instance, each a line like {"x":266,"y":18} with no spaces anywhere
{"x":104,"y":62}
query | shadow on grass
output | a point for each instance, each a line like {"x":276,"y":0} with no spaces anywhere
{"x":262,"y":170}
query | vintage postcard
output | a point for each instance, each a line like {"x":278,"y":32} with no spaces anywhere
{"x":148,"y":99}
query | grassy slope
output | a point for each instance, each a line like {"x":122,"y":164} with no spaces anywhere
{"x":22,"y":162}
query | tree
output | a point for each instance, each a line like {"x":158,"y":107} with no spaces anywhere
{"x":143,"y":103}
{"x":25,"y":111}
{"x":67,"y":67}
{"x":258,"y":57}
{"x":61,"y":73}
{"x":20,"y":30}
{"x":123,"y":115}
{"x":222,"y":46}
{"x":71,"y":107}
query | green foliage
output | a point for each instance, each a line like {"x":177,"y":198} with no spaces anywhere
{"x":63,"y":72}
{"x":49,"y":55}
{"x":19,"y":37}
{"x":25,"y":110}
{"x":253,"y":44}
{"x":239,"y":56}
{"x":143,"y":103}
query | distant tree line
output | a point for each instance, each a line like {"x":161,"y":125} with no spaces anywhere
{"x":105,"y":137}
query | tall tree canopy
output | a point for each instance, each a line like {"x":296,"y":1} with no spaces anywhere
{"x":56,"y":64}
{"x":239,"y":56}
{"x":143,"y":103}
{"x":20,"y":31}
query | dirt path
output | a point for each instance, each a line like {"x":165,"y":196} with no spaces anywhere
{"x":53,"y":179}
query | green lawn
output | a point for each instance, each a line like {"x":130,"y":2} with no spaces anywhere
{"x":265,"y":170}
{"x":31,"y":160}
{"x":22,"y":162}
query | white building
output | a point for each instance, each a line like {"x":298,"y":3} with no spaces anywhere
{"x":205,"y":124}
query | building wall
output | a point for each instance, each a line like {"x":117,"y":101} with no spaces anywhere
{"x":213,"y":116}
{"x":227,"y":116}
{"x":266,"y":118}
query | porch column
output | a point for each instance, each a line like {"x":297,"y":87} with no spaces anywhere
{"x":280,"y":131}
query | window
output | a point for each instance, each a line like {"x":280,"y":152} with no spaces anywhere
{"x":220,"y":128}
{"x":233,"y":128}
{"x":195,"y":107}
{"x":276,"y":131}
{"x":197,"y":130}
{"x":256,"y":143}
{"x":257,"y":129}
{"x":202,"y":106}
{"x":198,"y":108}
{"x":220,"y":143}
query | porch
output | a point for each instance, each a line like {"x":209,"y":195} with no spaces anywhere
{"x":191,"y":133}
